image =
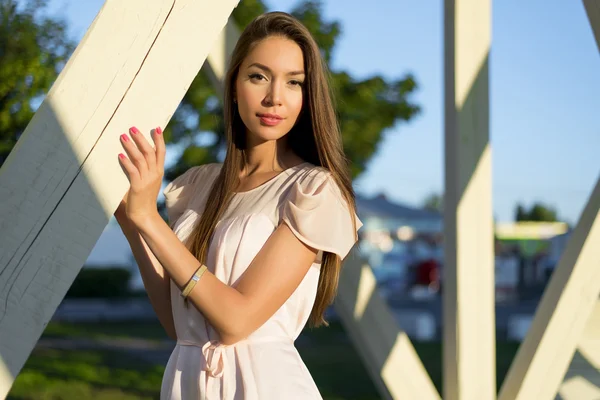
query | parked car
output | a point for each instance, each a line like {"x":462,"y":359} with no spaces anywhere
{"x":393,"y":274}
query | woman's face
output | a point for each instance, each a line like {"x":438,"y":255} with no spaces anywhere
{"x":269,"y":87}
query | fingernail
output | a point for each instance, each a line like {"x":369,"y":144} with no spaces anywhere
{"x":134,"y":129}
{"x":124,"y":137}
{"x":121,"y":155}
{"x":158,"y":130}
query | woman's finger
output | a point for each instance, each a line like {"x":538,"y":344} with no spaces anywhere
{"x":134,"y":154}
{"x":131,"y":170}
{"x":143,"y":146}
{"x":159,"y":144}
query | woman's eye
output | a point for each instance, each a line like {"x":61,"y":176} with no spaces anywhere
{"x":297,"y":83}
{"x":256,"y":76}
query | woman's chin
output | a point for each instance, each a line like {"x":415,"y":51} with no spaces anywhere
{"x":267,"y":133}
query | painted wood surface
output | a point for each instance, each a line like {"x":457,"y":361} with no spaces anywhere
{"x":62,"y":182}
{"x":469,"y":314}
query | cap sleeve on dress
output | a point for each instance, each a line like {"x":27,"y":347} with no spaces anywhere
{"x":318,"y":215}
{"x":179,"y":192}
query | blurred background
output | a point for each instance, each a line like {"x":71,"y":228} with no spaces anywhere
{"x":386,"y":60}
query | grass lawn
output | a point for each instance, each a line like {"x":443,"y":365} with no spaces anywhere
{"x":82,"y":374}
{"x":142,"y":330}
{"x":117,"y":375}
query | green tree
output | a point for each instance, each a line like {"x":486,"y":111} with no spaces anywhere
{"x":538,"y":212}
{"x":434,"y":202}
{"x":520,"y":213}
{"x":366,"y":108}
{"x":33,"y":49}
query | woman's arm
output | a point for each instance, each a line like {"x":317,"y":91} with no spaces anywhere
{"x":156,"y":280}
{"x":235,"y":313}
{"x":269,"y":281}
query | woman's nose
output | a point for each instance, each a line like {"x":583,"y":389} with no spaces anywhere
{"x":273,"y":97}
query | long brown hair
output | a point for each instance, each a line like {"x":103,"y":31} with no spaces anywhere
{"x":315,"y":137}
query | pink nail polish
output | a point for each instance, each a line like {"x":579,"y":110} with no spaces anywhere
{"x":124,"y":137}
{"x":121,"y":156}
{"x":158,"y":130}
{"x":134,"y":129}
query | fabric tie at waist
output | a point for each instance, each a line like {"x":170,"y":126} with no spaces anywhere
{"x":215,"y":359}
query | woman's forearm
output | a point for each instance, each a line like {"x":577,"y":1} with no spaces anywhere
{"x":156,"y":280}
{"x":223,"y":306}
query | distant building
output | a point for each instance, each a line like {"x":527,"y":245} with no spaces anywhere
{"x":380,"y":213}
{"x":388,"y":226}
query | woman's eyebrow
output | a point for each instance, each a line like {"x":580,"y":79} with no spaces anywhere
{"x":267,"y":69}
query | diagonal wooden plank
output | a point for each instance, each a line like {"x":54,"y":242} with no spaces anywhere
{"x":386,"y":350}
{"x":45,"y":162}
{"x":589,"y":344}
{"x":592,"y":8}
{"x":62,"y":182}
{"x":582,"y":380}
{"x":469,"y":333}
{"x":544,"y":356}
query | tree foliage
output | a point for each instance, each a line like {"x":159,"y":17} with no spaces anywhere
{"x":538,"y":212}
{"x":434,"y":202}
{"x":33,"y":49}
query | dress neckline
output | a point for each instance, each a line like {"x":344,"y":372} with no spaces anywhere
{"x":271,"y":180}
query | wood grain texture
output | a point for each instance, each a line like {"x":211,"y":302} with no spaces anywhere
{"x":62,"y":182}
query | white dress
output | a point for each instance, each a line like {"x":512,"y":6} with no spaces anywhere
{"x":265,"y":365}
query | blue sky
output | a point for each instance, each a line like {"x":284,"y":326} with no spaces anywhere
{"x":544,"y":102}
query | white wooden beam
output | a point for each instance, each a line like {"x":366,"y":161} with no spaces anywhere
{"x":62,"y":182}
{"x":592,"y":8}
{"x":469,"y":313}
{"x":218,"y":59}
{"x":544,"y":356}
{"x":589,"y":344}
{"x":578,"y":388}
{"x":386,"y":350}
{"x":582,"y":381}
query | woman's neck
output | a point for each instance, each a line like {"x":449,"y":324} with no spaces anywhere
{"x":269,"y":156}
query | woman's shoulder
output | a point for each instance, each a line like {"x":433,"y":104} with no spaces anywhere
{"x":317,"y":182}
{"x":310,"y":175}
{"x":317,"y":212}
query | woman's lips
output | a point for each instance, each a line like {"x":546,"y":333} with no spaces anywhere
{"x":270,"y":119}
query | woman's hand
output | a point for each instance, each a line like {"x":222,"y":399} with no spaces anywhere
{"x":144,"y":167}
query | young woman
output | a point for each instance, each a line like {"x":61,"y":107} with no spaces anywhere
{"x":256,"y":243}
